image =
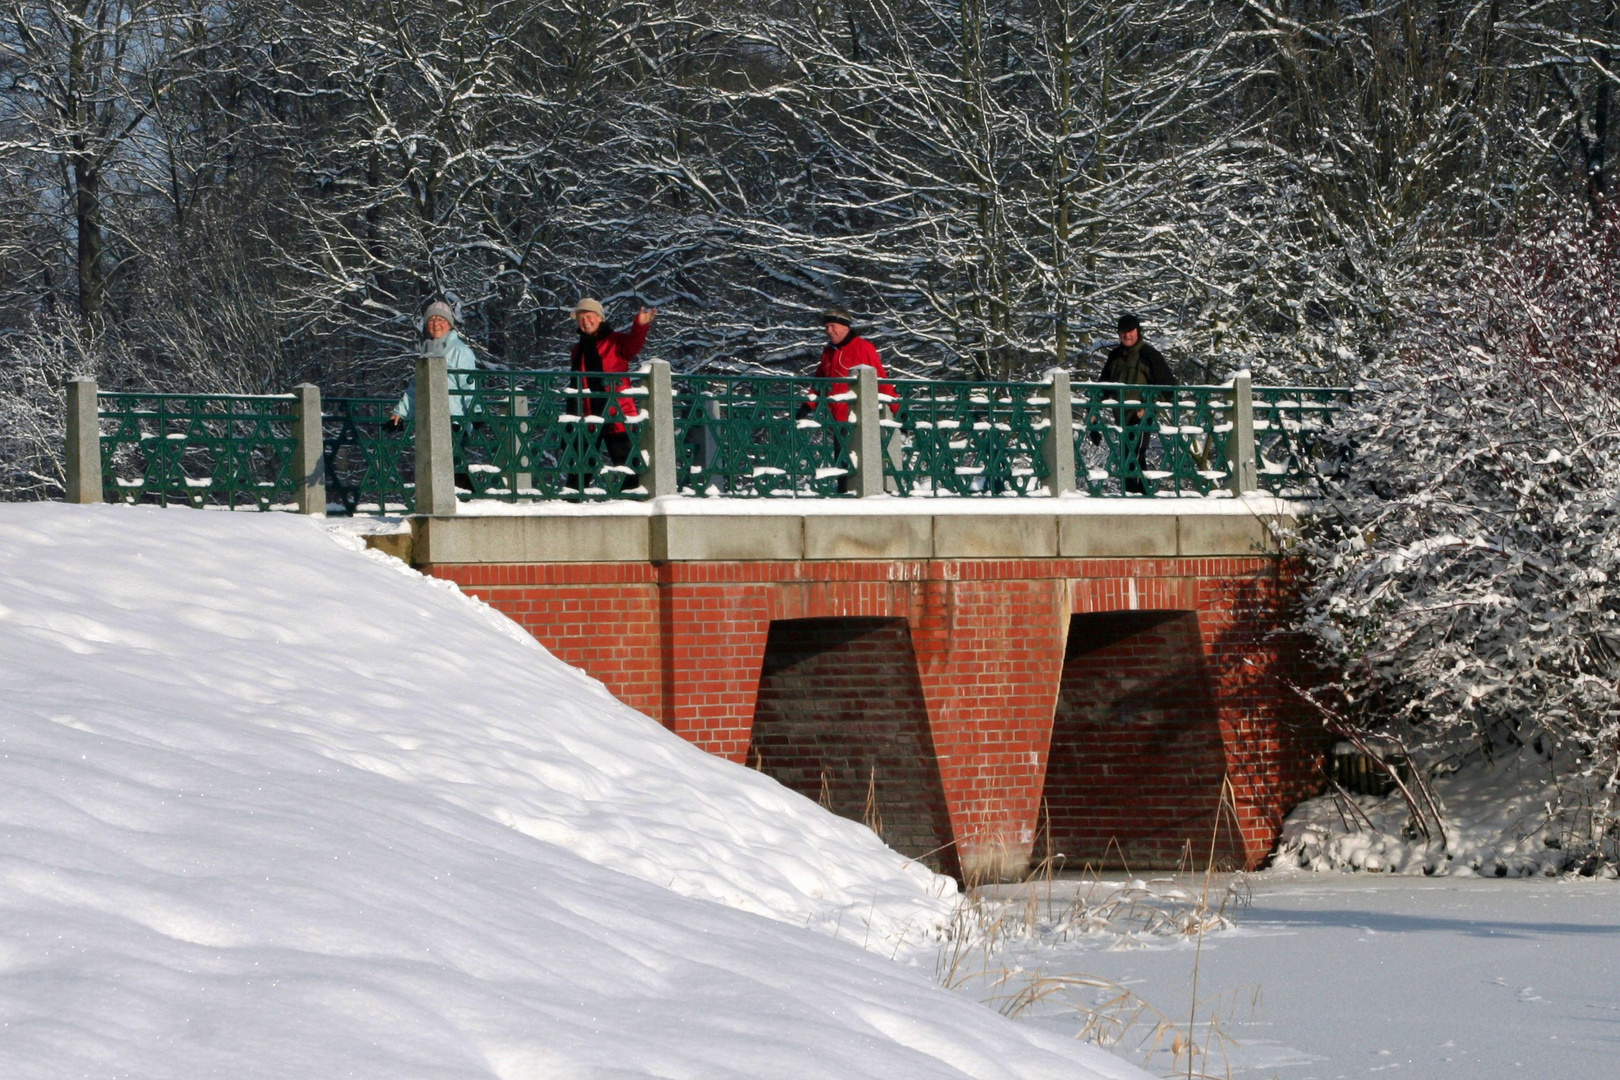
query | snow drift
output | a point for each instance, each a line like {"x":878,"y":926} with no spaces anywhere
{"x":1520,"y":813}
{"x":275,"y":808}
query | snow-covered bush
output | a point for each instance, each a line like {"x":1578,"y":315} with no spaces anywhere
{"x":1462,"y":582}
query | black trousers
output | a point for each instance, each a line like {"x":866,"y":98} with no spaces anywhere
{"x":1136,"y":441}
{"x":617,"y":445}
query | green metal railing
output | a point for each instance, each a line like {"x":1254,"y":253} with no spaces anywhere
{"x":367,"y":463}
{"x":1151,"y":440}
{"x":1288,"y":422}
{"x":747,"y":436}
{"x":227,"y":450}
{"x":556,"y":435}
{"x":525,"y":435}
{"x":966,"y":438}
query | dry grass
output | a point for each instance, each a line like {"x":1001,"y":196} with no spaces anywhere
{"x":994,"y":944}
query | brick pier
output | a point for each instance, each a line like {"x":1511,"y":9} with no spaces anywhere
{"x":990,"y":683}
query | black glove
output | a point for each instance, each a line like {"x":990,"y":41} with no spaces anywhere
{"x":394,"y":423}
{"x":1095,"y":437}
{"x":804,"y":411}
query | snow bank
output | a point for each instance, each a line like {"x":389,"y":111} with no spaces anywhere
{"x":1519,"y":815}
{"x":276,"y":808}
{"x":234,"y":627}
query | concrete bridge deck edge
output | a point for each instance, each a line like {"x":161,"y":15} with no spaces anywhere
{"x":693,"y":530}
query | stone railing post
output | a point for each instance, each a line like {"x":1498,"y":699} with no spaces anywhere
{"x":435,"y":466}
{"x":1241,"y":474}
{"x":868,"y":433}
{"x":1059,"y":446}
{"x":309,"y":449}
{"x":83,"y":442}
{"x":660,"y":436}
{"x":518,"y":478}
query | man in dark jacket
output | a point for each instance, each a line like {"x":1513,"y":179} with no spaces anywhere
{"x":1134,"y":362}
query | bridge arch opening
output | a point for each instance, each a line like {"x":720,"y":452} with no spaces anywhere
{"x":1133,"y":778}
{"x":841,"y":719}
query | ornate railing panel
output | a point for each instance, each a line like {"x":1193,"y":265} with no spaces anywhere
{"x":1287,"y":423}
{"x":201,"y":450}
{"x":525,"y":435}
{"x":550,"y":435}
{"x":965,"y":438}
{"x":1151,"y":440}
{"x":756,"y":436}
{"x":368,"y":465}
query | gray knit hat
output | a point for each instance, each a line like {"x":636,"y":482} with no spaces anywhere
{"x":586,"y":303}
{"x":442,"y":310}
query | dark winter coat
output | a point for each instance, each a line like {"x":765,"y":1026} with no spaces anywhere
{"x":839,"y":361}
{"x":1139,"y":365}
{"x":609,"y":351}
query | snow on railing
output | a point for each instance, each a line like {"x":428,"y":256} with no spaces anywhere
{"x":534,"y":436}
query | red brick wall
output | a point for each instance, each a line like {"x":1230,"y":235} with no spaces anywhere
{"x":686,"y":643}
{"x":1273,"y":748}
{"x":1137,"y":759}
{"x":841,"y":719}
{"x":603,"y":618}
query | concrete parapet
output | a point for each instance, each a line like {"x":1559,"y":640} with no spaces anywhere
{"x":717,"y":538}
{"x":1225,"y":535}
{"x":530,"y":539}
{"x":984,"y":536}
{"x":868,"y":536}
{"x":1117,"y":536}
{"x":683,"y":532}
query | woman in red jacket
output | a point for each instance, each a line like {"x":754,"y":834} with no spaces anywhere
{"x":601,"y":351}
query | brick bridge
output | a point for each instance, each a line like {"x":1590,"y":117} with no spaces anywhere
{"x":980,"y":616}
{"x":986,"y":683}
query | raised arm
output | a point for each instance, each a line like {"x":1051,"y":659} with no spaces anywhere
{"x":631,"y":340}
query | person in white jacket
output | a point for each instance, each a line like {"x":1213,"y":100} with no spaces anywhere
{"x":439,"y":335}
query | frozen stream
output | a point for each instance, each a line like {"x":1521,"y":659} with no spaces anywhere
{"x":1345,"y":975}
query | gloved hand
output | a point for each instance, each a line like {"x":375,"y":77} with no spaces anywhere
{"x":805,"y":411}
{"x":394,"y":423}
{"x":1095,"y":437}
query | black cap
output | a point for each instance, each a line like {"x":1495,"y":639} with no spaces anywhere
{"x":836,"y":315}
{"x":1129,"y":322}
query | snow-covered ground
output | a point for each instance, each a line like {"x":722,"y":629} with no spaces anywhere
{"x":1519,"y":813}
{"x":277,"y":807}
{"x":1338,"y":975}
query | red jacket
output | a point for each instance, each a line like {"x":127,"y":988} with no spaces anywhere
{"x":838,"y":361}
{"x":614,"y":351}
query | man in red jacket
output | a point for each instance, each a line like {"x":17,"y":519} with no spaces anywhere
{"x":846,"y":351}
{"x":601,"y":351}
